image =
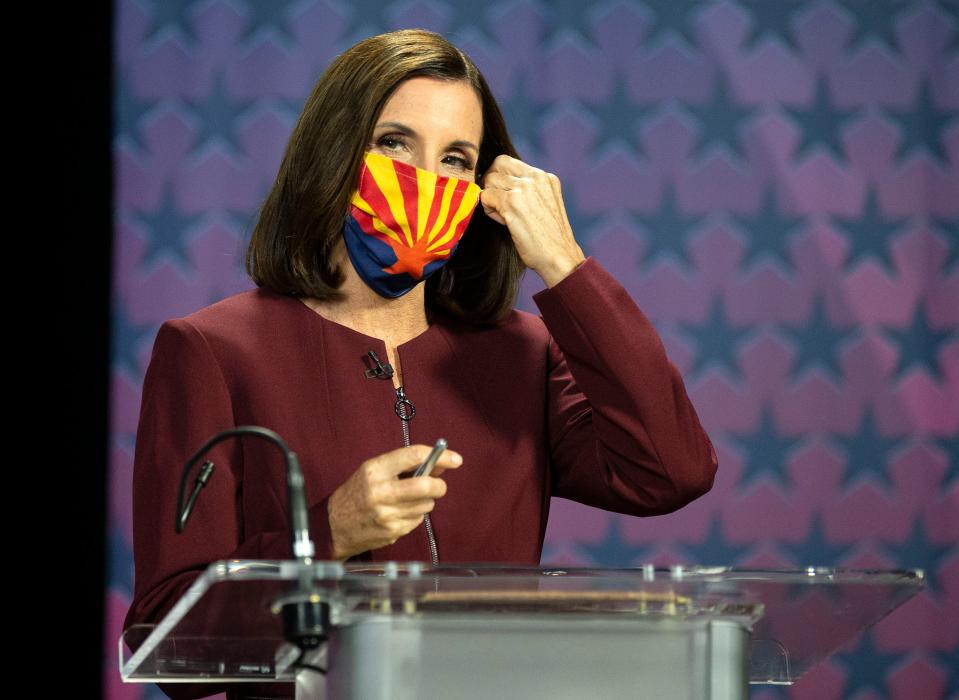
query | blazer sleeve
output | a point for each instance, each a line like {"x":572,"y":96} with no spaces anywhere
{"x":186,"y":400}
{"x":624,"y":435}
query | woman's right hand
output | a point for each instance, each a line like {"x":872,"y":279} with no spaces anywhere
{"x":375,"y":507}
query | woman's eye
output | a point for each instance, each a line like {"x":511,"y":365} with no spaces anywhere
{"x":458,"y":162}
{"x":390,"y":143}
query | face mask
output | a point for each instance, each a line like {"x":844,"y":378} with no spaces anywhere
{"x":404,"y":223}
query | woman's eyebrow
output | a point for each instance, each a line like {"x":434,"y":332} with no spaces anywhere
{"x":407,"y":131}
{"x":398,"y":126}
{"x":465,"y":144}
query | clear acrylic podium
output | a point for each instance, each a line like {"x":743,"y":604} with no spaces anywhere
{"x":412,"y":631}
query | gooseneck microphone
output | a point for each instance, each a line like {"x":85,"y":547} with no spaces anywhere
{"x":306,"y":619}
{"x":183,"y":513}
{"x":299,"y":524}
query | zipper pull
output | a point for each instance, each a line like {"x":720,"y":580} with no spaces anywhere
{"x":403,"y":407}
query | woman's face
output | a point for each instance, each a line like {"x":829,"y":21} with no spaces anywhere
{"x":435,"y":125}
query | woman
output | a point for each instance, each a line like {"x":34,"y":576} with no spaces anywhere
{"x":581,"y":404}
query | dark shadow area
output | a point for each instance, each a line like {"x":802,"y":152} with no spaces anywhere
{"x":74,"y":218}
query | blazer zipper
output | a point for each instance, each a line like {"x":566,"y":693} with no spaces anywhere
{"x":405,"y":409}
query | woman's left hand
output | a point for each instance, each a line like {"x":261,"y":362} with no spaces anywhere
{"x":529,"y":202}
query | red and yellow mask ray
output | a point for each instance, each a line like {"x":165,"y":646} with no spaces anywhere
{"x":418,"y":214}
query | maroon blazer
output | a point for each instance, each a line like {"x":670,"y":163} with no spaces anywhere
{"x":582,"y":404}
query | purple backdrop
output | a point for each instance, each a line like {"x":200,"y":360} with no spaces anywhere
{"x":776,"y":184}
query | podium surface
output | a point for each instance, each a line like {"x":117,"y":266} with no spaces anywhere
{"x":411,"y":630}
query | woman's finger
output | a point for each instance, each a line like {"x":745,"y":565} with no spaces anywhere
{"x":406,"y":459}
{"x":509,"y":165}
{"x":420,"y":488}
{"x":414,"y":509}
{"x":491,"y":199}
{"x":500,"y":180}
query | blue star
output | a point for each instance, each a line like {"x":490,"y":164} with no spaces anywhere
{"x":722,"y":120}
{"x":952,"y":10}
{"x":875,"y":19}
{"x":868,"y":453}
{"x":770,"y":230}
{"x":292,"y":106}
{"x":367,"y":19}
{"x":242,"y":225}
{"x":120,"y":561}
{"x":767,"y":453}
{"x":568,"y":16}
{"x":548,"y":554}
{"x":715,"y":549}
{"x":216,"y":115}
{"x":613,"y":551}
{"x":172,"y":14}
{"x":951,"y":448}
{"x":523,"y":115}
{"x":620,"y":118}
{"x":871,"y":233}
{"x":469,"y":17}
{"x":128,"y":113}
{"x":583,"y":225}
{"x":866,"y":667}
{"x":243,"y":222}
{"x":949,"y":661}
{"x":821,"y":123}
{"x":274,"y":14}
{"x":667,"y":229}
{"x":950,"y":229}
{"x":772,"y":18}
{"x":716,"y":340}
{"x":920,"y":344}
{"x":153,"y":692}
{"x":169,"y":231}
{"x":817,"y":342}
{"x":816,"y":549}
{"x":922,"y":125}
{"x":917,"y":552}
{"x":671,"y":18}
{"x":127,"y":339}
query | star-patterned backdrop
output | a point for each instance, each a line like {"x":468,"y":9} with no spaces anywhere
{"x":776,"y":183}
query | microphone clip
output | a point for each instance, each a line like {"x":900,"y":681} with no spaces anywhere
{"x":379,"y":370}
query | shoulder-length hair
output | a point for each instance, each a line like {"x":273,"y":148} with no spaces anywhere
{"x":302,"y":218}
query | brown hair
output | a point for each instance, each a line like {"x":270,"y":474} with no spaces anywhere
{"x":302,"y":218}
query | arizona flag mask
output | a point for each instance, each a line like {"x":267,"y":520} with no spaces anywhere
{"x":404,"y":223}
